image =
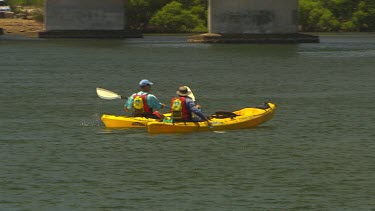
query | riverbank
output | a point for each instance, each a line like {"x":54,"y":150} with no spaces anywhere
{"x":25,"y":28}
{"x":30,"y":28}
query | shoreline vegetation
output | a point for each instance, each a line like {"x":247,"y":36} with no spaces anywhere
{"x":190,"y":16}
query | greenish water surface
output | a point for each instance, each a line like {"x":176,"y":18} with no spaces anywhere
{"x":317,"y":153}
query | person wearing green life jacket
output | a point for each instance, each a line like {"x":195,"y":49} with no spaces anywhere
{"x":183,"y":108}
{"x":143,"y":102}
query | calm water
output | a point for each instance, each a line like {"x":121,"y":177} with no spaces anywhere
{"x":317,"y":153}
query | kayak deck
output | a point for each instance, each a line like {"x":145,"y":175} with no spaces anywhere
{"x":244,"y":118}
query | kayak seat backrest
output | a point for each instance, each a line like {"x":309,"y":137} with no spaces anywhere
{"x":176,"y":115}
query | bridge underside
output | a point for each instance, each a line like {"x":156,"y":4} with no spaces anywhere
{"x":105,"y":34}
{"x":253,"y":21}
{"x":235,"y":21}
{"x":85,"y":19}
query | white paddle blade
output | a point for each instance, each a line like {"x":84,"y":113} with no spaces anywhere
{"x":106,"y":94}
{"x":190,"y":95}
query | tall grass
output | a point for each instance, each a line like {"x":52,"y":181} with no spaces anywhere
{"x":38,"y":3}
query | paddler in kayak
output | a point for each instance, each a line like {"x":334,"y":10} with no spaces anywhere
{"x":183,"y":108}
{"x":143,"y":102}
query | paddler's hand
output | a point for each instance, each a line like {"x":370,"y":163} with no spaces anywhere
{"x":210,"y":125}
{"x":164,"y":106}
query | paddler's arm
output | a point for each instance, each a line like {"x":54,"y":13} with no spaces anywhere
{"x":154,"y":102}
{"x":198,"y":112}
{"x":128,"y":104}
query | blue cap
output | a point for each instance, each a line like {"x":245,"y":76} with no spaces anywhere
{"x":145,"y":82}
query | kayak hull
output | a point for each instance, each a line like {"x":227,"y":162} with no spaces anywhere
{"x":112,"y":121}
{"x":246,"y":118}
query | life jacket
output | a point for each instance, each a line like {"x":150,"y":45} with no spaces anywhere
{"x":140,"y":106}
{"x":179,"y":110}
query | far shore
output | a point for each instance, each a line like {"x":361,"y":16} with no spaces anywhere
{"x":31,"y":28}
{"x":21,"y":27}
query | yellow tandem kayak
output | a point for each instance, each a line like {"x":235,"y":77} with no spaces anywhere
{"x":244,"y":118}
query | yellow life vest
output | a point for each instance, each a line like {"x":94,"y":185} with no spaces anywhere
{"x":178,"y":109}
{"x":140,"y":104}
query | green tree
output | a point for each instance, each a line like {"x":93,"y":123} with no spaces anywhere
{"x":341,"y":9}
{"x":370,"y":19}
{"x":364,"y":18}
{"x":334,"y":15}
{"x":315,"y":17}
{"x":174,"y":18}
{"x":327,"y":22}
{"x":190,"y":3}
{"x":139,"y":12}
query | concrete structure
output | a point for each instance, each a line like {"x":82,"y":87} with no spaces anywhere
{"x":253,"y":21}
{"x":85,"y":19}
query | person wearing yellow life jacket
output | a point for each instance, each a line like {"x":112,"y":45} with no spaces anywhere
{"x":143,"y":102}
{"x":183,"y":107}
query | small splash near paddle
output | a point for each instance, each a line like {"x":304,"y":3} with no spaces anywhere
{"x":93,"y":122}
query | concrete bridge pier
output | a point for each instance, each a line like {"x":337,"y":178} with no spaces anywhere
{"x":253,"y":21}
{"x":85,"y":19}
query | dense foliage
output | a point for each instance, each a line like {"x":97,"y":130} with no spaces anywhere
{"x":174,"y":17}
{"x":191,"y":15}
{"x":337,"y":15}
{"x":167,"y":15}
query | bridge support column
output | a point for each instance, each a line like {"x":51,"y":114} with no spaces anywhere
{"x":253,"y":21}
{"x":85,"y":19}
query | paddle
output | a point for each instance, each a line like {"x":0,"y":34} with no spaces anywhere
{"x":109,"y":95}
{"x":191,"y":95}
